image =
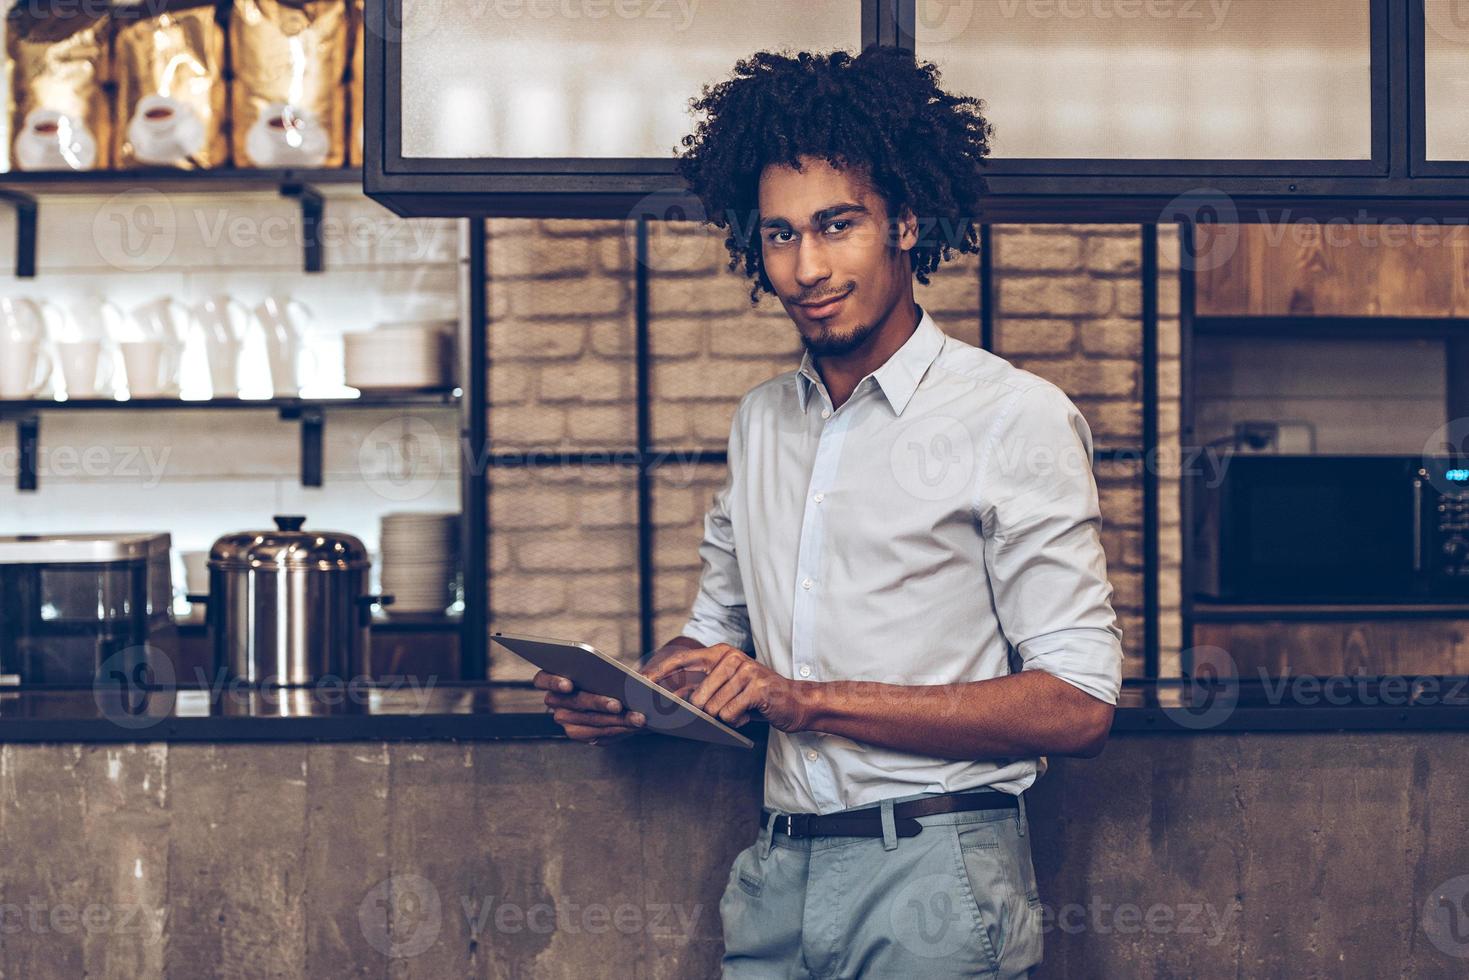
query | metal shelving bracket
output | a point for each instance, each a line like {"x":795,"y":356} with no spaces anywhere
{"x":27,"y":443}
{"x":26,"y":212}
{"x":313,"y":421}
{"x":313,"y":206}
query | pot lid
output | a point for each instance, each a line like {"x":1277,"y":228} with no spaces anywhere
{"x":288,"y":546}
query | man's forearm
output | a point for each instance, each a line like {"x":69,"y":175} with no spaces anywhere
{"x":1025,"y":714}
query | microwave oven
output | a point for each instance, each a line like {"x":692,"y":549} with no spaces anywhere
{"x":74,"y":604}
{"x":1321,"y":529}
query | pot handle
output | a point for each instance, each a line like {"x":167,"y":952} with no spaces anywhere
{"x":201,"y":598}
{"x":366,"y":602}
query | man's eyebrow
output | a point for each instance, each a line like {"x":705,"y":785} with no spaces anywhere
{"x":820,"y":217}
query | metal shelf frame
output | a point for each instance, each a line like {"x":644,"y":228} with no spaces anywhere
{"x":1395,"y":181}
{"x":24,"y":191}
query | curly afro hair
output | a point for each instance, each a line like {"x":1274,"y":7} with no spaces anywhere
{"x":880,"y":113}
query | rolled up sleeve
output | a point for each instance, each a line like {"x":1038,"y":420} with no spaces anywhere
{"x":1040,"y":516}
{"x":719,"y":613}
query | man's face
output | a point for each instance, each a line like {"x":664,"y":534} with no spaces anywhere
{"x":823,"y":236}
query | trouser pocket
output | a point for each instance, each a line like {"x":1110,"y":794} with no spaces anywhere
{"x":1001,"y":883}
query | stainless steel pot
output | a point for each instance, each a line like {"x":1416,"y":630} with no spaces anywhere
{"x":290,"y":606}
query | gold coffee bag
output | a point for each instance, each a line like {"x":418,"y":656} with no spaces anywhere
{"x":289,"y":57}
{"x":355,"y":88}
{"x":60,"y":116}
{"x":169,"y":67}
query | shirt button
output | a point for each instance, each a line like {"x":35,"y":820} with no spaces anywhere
{"x":806,"y":583}
{"x":819,"y":497}
{"x":812,"y":755}
{"x":805,"y":670}
{"x":826,"y":413}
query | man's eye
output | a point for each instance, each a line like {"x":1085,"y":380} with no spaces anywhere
{"x":776,"y":234}
{"x":835,"y":223}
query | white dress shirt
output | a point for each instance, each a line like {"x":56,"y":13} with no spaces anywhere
{"x":941,"y":526}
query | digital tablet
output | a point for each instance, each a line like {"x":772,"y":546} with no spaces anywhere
{"x":592,"y":670}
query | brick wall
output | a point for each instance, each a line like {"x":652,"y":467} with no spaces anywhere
{"x":1069,"y":308}
{"x":564,"y":538}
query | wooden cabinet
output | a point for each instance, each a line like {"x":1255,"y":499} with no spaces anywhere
{"x":1313,"y":269}
{"x":1407,"y":647}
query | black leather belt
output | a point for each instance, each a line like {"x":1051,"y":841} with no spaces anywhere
{"x":868,"y":822}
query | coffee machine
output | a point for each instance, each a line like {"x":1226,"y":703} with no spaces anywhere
{"x":76,"y":605}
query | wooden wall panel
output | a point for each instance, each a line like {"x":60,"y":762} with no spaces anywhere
{"x":1311,"y":269}
{"x":1397,"y":647}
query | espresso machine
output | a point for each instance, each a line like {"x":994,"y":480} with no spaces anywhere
{"x":74,"y":605}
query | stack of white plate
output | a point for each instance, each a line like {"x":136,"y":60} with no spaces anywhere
{"x":420,"y":555}
{"x":400,"y":356}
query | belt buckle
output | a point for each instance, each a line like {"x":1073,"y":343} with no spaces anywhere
{"x":794,"y":824}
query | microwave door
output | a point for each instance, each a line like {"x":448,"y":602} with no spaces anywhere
{"x":1335,"y":530}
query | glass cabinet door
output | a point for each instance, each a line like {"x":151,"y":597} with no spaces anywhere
{"x":1241,"y":80}
{"x":1446,"y":79}
{"x":586,"y":79}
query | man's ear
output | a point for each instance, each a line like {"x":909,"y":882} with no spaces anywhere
{"x":907,"y":229}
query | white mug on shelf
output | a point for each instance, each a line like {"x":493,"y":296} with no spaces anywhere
{"x":25,"y":367}
{"x":87,"y":368}
{"x":165,"y":319}
{"x":281,"y":321}
{"x":148,"y":364}
{"x":25,"y":319}
{"x":215,"y":316}
{"x":93,"y":318}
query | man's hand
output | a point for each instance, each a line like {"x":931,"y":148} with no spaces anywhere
{"x":737,"y":686}
{"x":587,"y":717}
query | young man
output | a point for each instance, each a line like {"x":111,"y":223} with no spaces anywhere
{"x":902,"y":572}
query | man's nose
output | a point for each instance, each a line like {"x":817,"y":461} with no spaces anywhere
{"x":811,"y":264}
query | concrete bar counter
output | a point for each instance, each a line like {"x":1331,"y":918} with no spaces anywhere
{"x":450,"y":832}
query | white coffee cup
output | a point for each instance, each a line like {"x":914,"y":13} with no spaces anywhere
{"x":25,"y":367}
{"x":86,"y":367}
{"x":52,"y":140}
{"x":286,"y":136}
{"x":164,"y":130}
{"x":148,"y":367}
{"x":216,"y":317}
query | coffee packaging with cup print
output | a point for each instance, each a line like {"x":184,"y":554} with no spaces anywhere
{"x":60,"y":114}
{"x":168,"y":59}
{"x":289,"y":58}
{"x":355,"y":103}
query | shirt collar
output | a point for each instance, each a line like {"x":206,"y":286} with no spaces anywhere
{"x":898,"y":377}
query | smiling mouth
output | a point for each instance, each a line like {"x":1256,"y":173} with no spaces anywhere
{"x":824,"y":308}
